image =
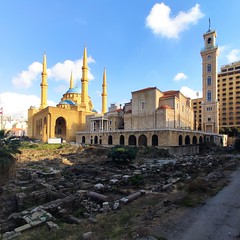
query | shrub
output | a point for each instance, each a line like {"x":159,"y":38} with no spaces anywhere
{"x":122,"y":154}
{"x":9,"y":146}
{"x":137,"y":180}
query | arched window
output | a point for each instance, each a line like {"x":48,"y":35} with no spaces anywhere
{"x":180,"y":140}
{"x":96,"y":140}
{"x":194,"y":141}
{"x":209,"y":81}
{"x":209,"y":96}
{"x":209,"y":68}
{"x":83,"y":139}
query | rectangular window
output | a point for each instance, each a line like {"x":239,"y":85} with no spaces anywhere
{"x":209,"y":96}
{"x":143,"y":105}
{"x":209,"y":68}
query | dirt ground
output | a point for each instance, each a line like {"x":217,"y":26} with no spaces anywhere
{"x":172,"y":192}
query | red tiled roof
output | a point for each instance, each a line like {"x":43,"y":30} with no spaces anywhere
{"x":165,"y":107}
{"x":129,"y":111}
{"x":145,"y":89}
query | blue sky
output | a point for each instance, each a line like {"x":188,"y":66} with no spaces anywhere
{"x":142,"y":43}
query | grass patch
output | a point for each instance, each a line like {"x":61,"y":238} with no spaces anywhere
{"x":41,"y":146}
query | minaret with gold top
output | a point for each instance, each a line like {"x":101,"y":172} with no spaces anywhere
{"x":104,"y":92}
{"x":44,"y":85}
{"x":84,"y":80}
{"x":71,"y":81}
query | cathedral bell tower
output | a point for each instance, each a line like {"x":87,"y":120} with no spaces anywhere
{"x":210,"y":104}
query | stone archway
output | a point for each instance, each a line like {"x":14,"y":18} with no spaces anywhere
{"x":132,"y":140}
{"x":60,"y":128}
{"x":122,"y":140}
{"x":200,"y":139}
{"x":154,"y":140}
{"x":180,"y":142}
{"x":110,"y":140}
{"x":96,"y":140}
{"x":83,"y":139}
{"x":142,"y":140}
{"x":187,"y":140}
{"x":194,"y":140}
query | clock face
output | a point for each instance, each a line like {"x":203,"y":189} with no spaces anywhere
{"x":209,"y":57}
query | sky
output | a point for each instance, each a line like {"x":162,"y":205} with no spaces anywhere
{"x":141,"y":43}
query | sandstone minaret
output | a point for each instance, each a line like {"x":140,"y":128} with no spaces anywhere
{"x":71,"y":81}
{"x":104,"y":92}
{"x":84,"y":80}
{"x":44,"y":85}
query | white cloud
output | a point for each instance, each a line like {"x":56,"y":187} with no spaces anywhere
{"x":61,"y":88}
{"x":162,"y":24}
{"x":26,"y":77}
{"x":222,"y":49}
{"x":180,"y":76}
{"x":60,"y":71}
{"x":188,"y":92}
{"x":19,"y":108}
{"x":233,"y":55}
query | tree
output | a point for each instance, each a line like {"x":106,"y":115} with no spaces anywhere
{"x":9,"y":147}
{"x":235,"y":131}
{"x":237,"y":144}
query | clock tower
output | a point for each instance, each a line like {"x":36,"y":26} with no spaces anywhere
{"x":210,"y":104}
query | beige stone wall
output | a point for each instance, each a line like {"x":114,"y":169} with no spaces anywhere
{"x":44,"y":123}
{"x":178,"y":115}
{"x":165,"y":137}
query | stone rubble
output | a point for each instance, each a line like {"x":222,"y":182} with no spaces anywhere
{"x":40,"y":196}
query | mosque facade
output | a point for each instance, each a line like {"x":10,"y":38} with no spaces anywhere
{"x":69,"y":116}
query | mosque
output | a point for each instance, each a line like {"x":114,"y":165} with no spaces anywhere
{"x":69,"y":116}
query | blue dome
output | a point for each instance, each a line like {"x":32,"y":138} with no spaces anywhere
{"x":74,"y":90}
{"x":69,"y":102}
